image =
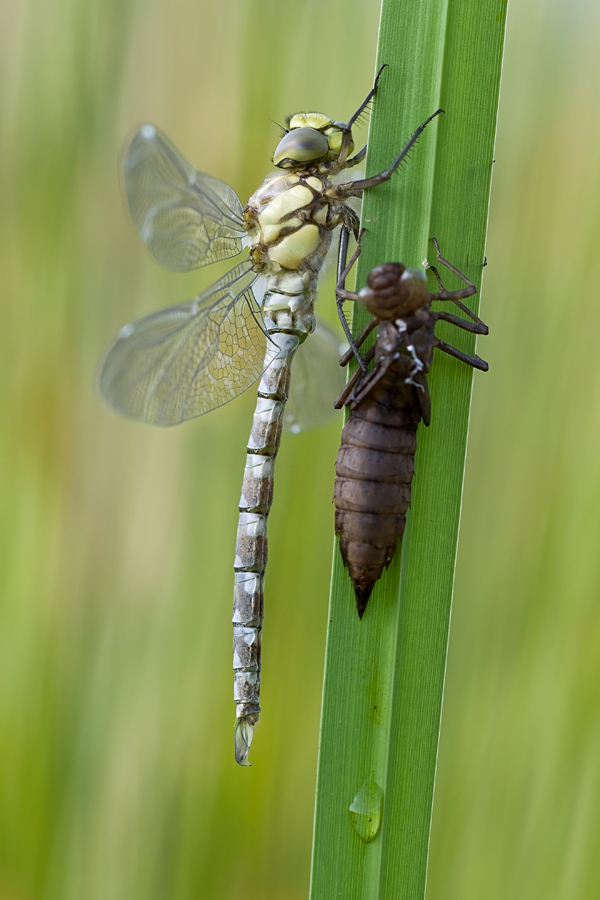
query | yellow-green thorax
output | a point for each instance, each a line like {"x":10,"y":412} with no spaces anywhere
{"x":288,"y":221}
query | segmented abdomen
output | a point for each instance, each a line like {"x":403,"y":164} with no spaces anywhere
{"x":374,"y":470}
{"x":288,"y":318}
{"x":251,"y":546}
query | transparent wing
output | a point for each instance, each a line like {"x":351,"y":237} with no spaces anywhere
{"x":317,"y":379}
{"x":187,"y":218}
{"x":186,"y":360}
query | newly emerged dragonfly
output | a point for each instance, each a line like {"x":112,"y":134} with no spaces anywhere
{"x":375,"y":463}
{"x":189,"y":359}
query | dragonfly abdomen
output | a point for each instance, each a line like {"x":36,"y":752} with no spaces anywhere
{"x":288,"y":304}
{"x":251,"y":550}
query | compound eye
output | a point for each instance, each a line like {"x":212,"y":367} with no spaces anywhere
{"x":301,"y":145}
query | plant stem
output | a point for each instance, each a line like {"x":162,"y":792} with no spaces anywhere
{"x":384,"y":675}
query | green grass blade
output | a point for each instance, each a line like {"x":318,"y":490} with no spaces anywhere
{"x":384,"y":676}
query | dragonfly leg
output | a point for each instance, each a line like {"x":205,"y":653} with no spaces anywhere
{"x":344,"y":269}
{"x":474,"y":327}
{"x":474,"y":361}
{"x":341,"y":161}
{"x":470,"y":286}
{"x":341,"y":294}
{"x":355,"y":188}
{"x":454,"y":296}
{"x":350,"y":386}
{"x":353,"y":350}
{"x":345,"y":359}
{"x":356,"y":159}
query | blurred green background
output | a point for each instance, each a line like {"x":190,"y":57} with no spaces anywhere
{"x":116,"y":717}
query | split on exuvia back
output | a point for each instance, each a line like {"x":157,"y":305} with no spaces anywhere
{"x":191,"y":358}
{"x":375,"y":463}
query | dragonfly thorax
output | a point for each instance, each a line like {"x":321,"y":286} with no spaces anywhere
{"x":289,"y":222}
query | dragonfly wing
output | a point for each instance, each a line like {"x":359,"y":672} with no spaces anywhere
{"x":317,"y":379}
{"x":186,"y":218}
{"x":184,"y":361}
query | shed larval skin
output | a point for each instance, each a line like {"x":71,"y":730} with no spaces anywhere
{"x":375,"y":463}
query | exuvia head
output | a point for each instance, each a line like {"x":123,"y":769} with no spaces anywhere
{"x":309,"y":137}
{"x":392,"y":290}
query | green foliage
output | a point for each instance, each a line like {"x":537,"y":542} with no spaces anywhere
{"x":385,"y":674}
{"x":116,"y":715}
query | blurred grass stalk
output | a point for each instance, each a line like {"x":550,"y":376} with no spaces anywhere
{"x":384,"y":675}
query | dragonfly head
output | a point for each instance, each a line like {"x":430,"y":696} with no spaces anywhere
{"x":310,"y":137}
{"x":392,"y":290}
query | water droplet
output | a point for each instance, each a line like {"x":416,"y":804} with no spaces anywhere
{"x":366,"y":811}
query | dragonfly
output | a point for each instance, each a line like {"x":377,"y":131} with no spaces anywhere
{"x":191,"y":358}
